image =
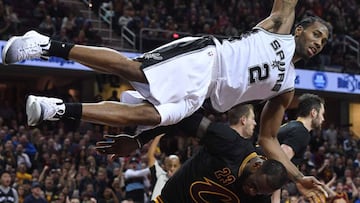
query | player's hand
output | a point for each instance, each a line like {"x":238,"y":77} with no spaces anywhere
{"x":312,"y":189}
{"x":119,"y":145}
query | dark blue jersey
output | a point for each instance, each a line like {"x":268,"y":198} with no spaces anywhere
{"x":212,"y":174}
{"x":295,"y":135}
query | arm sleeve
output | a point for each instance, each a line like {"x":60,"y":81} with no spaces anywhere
{"x":137,"y":173}
{"x":147,"y":135}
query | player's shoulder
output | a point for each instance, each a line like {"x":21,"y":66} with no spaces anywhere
{"x":292,"y":127}
{"x":272,"y":34}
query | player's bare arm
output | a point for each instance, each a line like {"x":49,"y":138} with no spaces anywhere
{"x":281,"y":18}
{"x":270,"y":121}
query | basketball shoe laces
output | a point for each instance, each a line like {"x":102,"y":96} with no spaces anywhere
{"x":33,"y":49}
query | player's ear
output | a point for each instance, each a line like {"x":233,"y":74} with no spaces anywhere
{"x":313,"y":113}
{"x":242,"y":119}
{"x":256,"y":164}
{"x":298,"y":30}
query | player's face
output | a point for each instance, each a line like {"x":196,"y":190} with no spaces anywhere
{"x":258,"y":186}
{"x":310,"y":41}
{"x":256,"y":183}
{"x":250,"y":124}
{"x":262,"y":186}
{"x":172,"y":165}
{"x":6,"y":179}
{"x":319,"y":118}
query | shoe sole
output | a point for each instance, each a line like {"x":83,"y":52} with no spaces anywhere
{"x":6,"y":48}
{"x":33,"y":110}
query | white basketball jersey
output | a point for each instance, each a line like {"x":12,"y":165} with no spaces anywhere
{"x":255,"y":66}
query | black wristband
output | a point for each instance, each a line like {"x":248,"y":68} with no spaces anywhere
{"x":73,"y":110}
{"x":60,"y":49}
{"x":147,"y":135}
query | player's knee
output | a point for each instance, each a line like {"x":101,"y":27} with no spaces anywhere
{"x":137,"y":74}
{"x":152,"y":115}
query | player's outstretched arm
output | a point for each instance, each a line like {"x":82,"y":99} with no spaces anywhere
{"x":270,"y":121}
{"x":281,"y":18}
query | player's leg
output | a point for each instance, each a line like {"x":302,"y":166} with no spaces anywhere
{"x":195,"y":125}
{"x":107,"y":112}
{"x":120,"y":114}
{"x":34,"y":45}
{"x":107,"y":60}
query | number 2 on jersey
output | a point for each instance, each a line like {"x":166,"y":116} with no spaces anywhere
{"x":258,"y":73}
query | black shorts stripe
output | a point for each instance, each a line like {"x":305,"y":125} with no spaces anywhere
{"x":172,"y":50}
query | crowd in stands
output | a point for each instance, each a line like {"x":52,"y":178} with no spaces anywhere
{"x":59,"y":158}
{"x":50,"y":17}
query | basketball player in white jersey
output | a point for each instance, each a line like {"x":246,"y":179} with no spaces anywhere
{"x":173,"y":80}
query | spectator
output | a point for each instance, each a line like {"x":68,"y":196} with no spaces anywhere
{"x":69,"y":24}
{"x":330,"y":135}
{"x":47,"y":26}
{"x":8,"y":156}
{"x":127,"y":16}
{"x":118,"y":184}
{"x":341,"y":195}
{"x":114,"y":96}
{"x":109,"y":196}
{"x":36,"y":194}
{"x":74,"y":200}
{"x":134,"y":181}
{"x":57,"y":12}
{"x":101,"y":181}
{"x":40,"y":11}
{"x":8,"y":194}
{"x":28,"y":146}
{"x":4,"y":23}
{"x":21,"y":193}
{"x":339,"y":167}
{"x":84,"y":177}
{"x":22,"y":174}
{"x":357,"y":160}
{"x":160,"y":175}
{"x":22,"y":157}
{"x":50,"y":190}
